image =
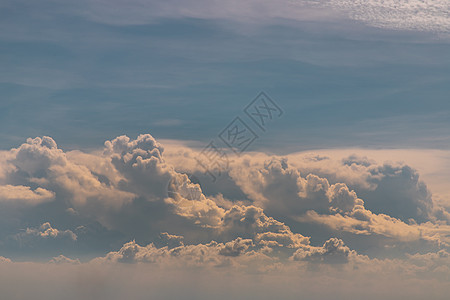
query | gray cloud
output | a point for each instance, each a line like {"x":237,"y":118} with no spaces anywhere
{"x":61,"y":259}
{"x":47,"y":231}
{"x":131,"y":190}
{"x":333,"y":251}
{"x":314,"y":189}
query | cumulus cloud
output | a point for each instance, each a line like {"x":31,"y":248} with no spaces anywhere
{"x":4,"y":260}
{"x":237,"y":221}
{"x":277,"y":184}
{"x":236,"y":247}
{"x":172,"y":240}
{"x":25,"y":195}
{"x":280,"y":189}
{"x":333,"y":251}
{"x":342,"y":199}
{"x":297,"y":216}
{"x":404,"y":14}
{"x":250,"y":221}
{"x":265,"y":207}
{"x":39,"y":162}
{"x":47,"y":231}
{"x":393,"y":188}
{"x":61,"y":259}
{"x":363,"y":222}
{"x":212,"y":254}
{"x":141,"y":163}
{"x":188,"y":201}
{"x":355,"y":194}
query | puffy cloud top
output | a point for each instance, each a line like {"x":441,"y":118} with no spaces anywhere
{"x":135,"y":190}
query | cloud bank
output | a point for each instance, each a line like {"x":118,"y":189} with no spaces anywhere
{"x":136,"y":203}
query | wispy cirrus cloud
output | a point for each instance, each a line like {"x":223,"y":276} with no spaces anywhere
{"x":403,"y":15}
{"x":428,"y":15}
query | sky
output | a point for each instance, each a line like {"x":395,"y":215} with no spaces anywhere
{"x":252,"y":149}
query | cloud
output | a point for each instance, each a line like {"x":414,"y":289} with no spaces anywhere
{"x":38,"y":167}
{"x":61,"y":259}
{"x":250,"y":221}
{"x":188,"y":201}
{"x":394,"y":189}
{"x":237,"y":221}
{"x":134,"y":189}
{"x":339,"y":193}
{"x":333,"y":251}
{"x":212,"y":254}
{"x":437,"y":263}
{"x":24,"y":194}
{"x":388,"y":184}
{"x":172,"y":240}
{"x":40,"y":163}
{"x":144,"y":12}
{"x":280,"y":189}
{"x":403,"y":14}
{"x":4,"y":260}
{"x":140,"y":162}
{"x":363,"y":222}
{"x":47,"y":231}
{"x":342,"y":199}
{"x":236,"y":247}
{"x":270,"y":219}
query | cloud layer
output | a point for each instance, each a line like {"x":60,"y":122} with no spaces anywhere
{"x":405,"y":14}
{"x":135,"y":202}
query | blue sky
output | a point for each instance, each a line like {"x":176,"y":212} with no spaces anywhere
{"x":342,"y":82}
